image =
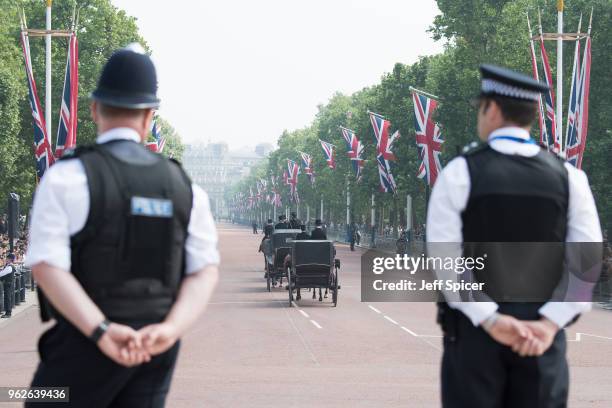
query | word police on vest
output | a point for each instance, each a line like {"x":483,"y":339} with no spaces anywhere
{"x":152,"y":207}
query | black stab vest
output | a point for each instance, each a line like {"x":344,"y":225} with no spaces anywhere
{"x":130,"y":256}
{"x":517,"y":215}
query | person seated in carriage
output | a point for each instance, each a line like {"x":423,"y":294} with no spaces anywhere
{"x":282,"y":223}
{"x":268,"y":230}
{"x":318,"y":233}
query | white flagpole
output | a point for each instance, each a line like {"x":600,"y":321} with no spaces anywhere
{"x":560,"y":74}
{"x":48,"y":70}
{"x":574,"y":73}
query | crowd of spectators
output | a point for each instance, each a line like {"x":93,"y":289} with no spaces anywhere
{"x":20,"y":244}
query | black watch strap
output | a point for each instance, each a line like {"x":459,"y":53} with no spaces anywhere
{"x":99,"y":331}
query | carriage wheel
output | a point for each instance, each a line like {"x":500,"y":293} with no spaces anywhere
{"x":335,"y":289}
{"x":289,"y":288}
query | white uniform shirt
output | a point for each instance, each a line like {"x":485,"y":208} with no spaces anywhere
{"x":7,"y":270}
{"x":449,"y":199}
{"x":61,"y":208}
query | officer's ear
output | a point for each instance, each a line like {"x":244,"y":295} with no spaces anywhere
{"x":147,"y":119}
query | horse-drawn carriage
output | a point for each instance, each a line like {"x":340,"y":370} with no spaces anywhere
{"x":276,"y":248}
{"x":313,"y":265}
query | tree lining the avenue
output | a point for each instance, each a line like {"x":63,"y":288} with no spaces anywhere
{"x":102,"y":29}
{"x":474,"y":32}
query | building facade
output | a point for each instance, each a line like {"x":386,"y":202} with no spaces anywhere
{"x":215,"y":168}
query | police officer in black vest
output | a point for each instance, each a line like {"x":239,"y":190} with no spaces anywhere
{"x":500,"y":353}
{"x":123,"y":247}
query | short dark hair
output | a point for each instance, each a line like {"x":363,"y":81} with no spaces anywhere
{"x":318,"y":222}
{"x":115,"y":112}
{"x":521,"y":112}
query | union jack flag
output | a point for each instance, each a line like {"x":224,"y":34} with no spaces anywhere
{"x":573,"y":145}
{"x":158,"y":145}
{"x":384,"y":155}
{"x":307,"y":161}
{"x":355,"y":150}
{"x":66,"y":132}
{"x":387,"y":182}
{"x":328,"y":150}
{"x":161,"y":140}
{"x":575,"y":149}
{"x":276,"y":198}
{"x":293,"y":169}
{"x":549,"y":97}
{"x":384,"y":142}
{"x":428,"y":137}
{"x":42,"y":147}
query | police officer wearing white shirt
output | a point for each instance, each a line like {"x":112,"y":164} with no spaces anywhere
{"x":499,"y":354}
{"x":124,"y":248}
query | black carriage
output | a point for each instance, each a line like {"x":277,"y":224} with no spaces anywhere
{"x":276,"y":250}
{"x":313,"y":266}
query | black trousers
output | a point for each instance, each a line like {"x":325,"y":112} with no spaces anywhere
{"x":69,"y":359}
{"x":9,"y":293}
{"x":479,"y":372}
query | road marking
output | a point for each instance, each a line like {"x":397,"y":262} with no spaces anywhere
{"x":302,"y":339}
{"x":317,"y":325}
{"x":294,"y":304}
{"x":409,"y":331}
{"x":579,"y":337}
{"x":303,"y":313}
{"x":374,"y":309}
{"x":390,"y":319}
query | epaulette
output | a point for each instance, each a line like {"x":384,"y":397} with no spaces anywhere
{"x":473,"y":147}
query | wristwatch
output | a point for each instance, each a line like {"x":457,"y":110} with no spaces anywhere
{"x":99,"y":331}
{"x":490,"y":321}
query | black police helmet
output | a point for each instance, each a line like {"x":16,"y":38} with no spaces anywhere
{"x":128,"y":80}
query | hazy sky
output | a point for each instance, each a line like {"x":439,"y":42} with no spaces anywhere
{"x":241,"y":71}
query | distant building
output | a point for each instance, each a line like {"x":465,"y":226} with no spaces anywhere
{"x":215,"y":168}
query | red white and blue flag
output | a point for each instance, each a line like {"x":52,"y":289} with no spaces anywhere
{"x":307,"y":162}
{"x":159,"y":143}
{"x":355,"y":150}
{"x":42,"y":146}
{"x":428,"y":137}
{"x":384,"y":152}
{"x":553,"y":142}
{"x":293,"y":169}
{"x":576,"y":146}
{"x":67,"y":130}
{"x":571,"y":136}
{"x":387,"y":183}
{"x":276,"y":198}
{"x":328,"y":151}
{"x":161,"y":140}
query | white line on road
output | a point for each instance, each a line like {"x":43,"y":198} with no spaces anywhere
{"x":579,"y":337}
{"x":303,"y":313}
{"x":317,"y":325}
{"x":374,"y":309}
{"x":409,"y":331}
{"x":390,"y":319}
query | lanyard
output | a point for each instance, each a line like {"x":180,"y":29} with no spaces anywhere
{"x":513,"y":138}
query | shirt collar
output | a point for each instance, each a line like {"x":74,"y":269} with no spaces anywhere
{"x":513,"y":131}
{"x":120,"y":133}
